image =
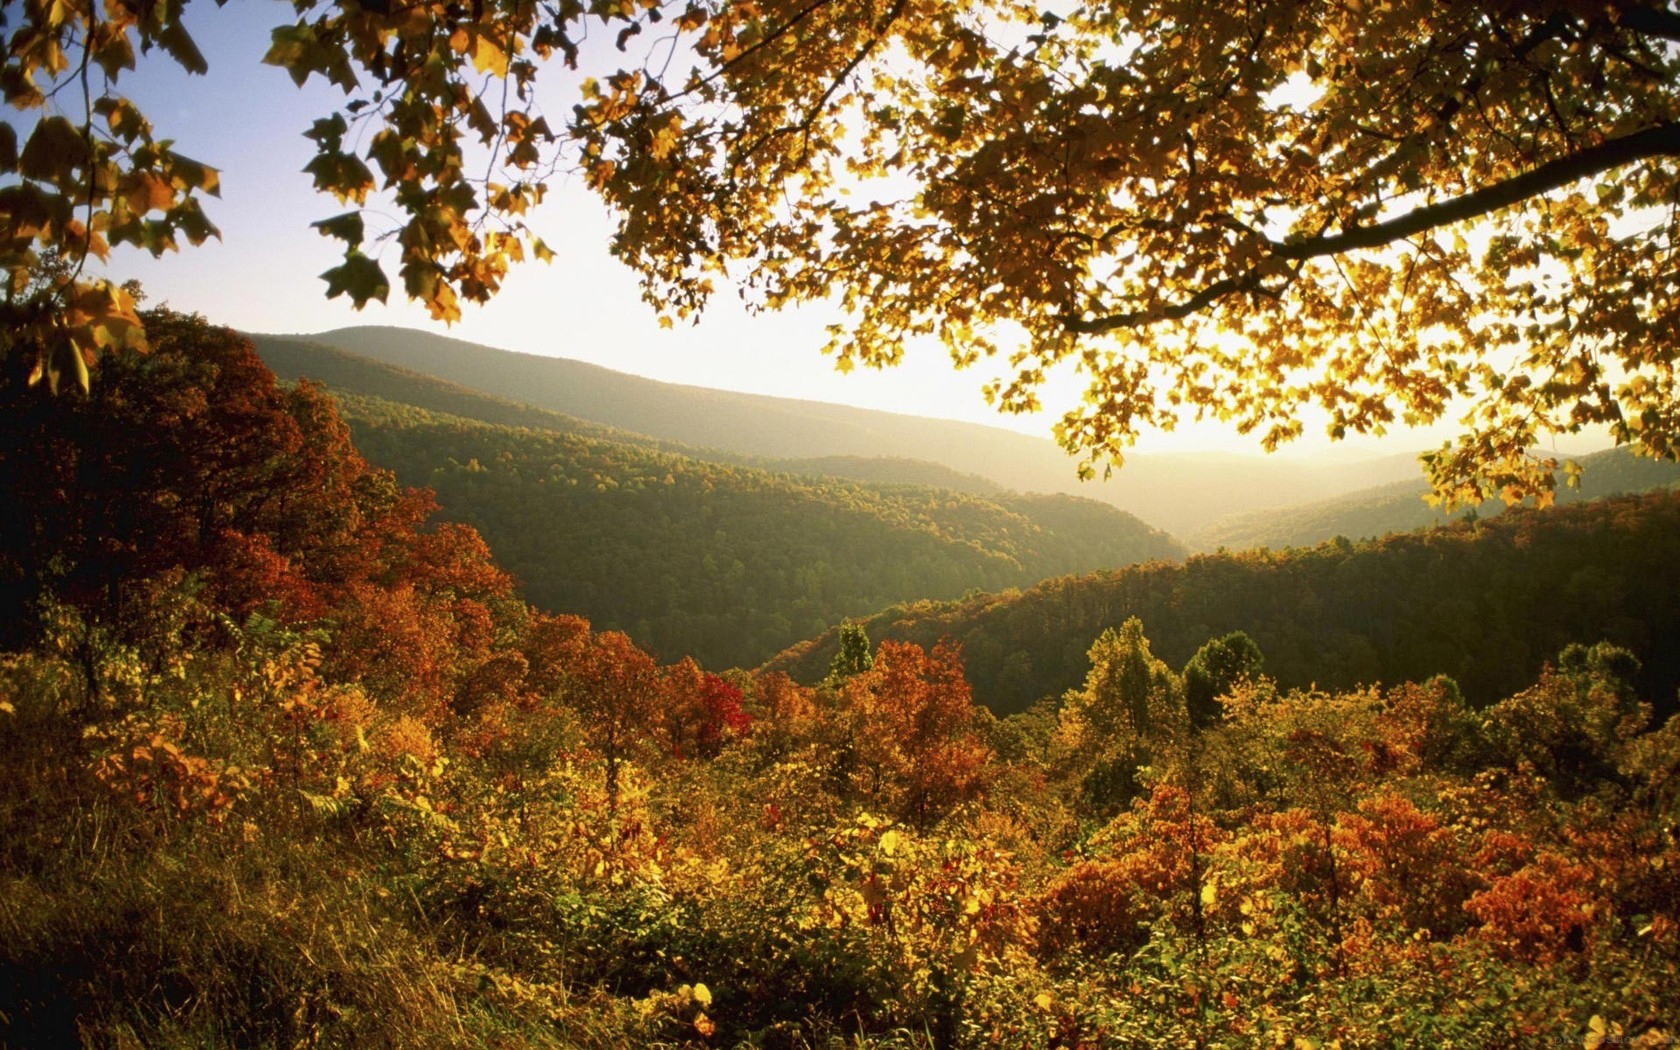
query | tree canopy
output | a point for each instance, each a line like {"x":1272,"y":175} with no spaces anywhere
{"x":1398,"y":213}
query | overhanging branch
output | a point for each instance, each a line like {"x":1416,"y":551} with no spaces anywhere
{"x":1662,"y":140}
{"x":1652,"y":21}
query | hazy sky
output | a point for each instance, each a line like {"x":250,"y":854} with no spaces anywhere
{"x":246,"y":119}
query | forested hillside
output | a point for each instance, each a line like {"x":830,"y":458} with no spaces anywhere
{"x":1400,"y":507}
{"x":346,"y":372}
{"x":284,"y":763}
{"x":894,"y":470}
{"x":1485,"y":602}
{"x":352,"y":373}
{"x":1174,"y":492}
{"x":724,"y":563}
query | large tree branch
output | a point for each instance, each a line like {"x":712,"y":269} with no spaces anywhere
{"x":1247,"y":282}
{"x":1652,"y":21}
{"x":1662,"y":140}
{"x":1659,"y":141}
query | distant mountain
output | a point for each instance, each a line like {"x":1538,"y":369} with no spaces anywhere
{"x":1400,"y":507}
{"x":346,"y":372}
{"x":296,"y":358}
{"x":1485,"y":602}
{"x":1178,"y":493}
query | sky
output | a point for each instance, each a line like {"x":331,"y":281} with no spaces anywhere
{"x":247,"y":119}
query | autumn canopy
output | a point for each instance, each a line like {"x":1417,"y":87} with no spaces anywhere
{"x":1396,"y":212}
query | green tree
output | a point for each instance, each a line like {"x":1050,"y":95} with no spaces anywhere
{"x":854,"y":656}
{"x":1129,"y":692}
{"x":1130,"y":706}
{"x":1217,"y":666}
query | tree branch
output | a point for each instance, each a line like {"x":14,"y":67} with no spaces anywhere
{"x":1247,"y":282}
{"x":1661,"y":140}
{"x":1658,"y":141}
{"x":1652,"y":21}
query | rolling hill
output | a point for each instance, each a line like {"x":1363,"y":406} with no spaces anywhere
{"x":1486,"y":602}
{"x":1399,"y":507}
{"x":1178,"y":493}
{"x":726,"y":561}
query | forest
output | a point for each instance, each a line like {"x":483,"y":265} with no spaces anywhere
{"x":1401,"y":507}
{"x":287,"y":762}
{"x":1487,"y":602}
{"x":727,"y":564}
{"x":516,"y":702}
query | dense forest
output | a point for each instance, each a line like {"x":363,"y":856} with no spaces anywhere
{"x":727,"y":564}
{"x":1401,"y":506}
{"x":284,"y":762}
{"x":724,"y":557}
{"x":1487,"y":602}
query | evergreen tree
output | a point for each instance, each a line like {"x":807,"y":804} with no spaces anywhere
{"x":1216,"y":667}
{"x":854,"y":656}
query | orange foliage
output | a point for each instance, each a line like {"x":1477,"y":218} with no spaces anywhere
{"x":916,"y":712}
{"x":1539,"y":912}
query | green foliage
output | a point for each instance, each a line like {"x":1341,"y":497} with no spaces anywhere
{"x":854,"y":656}
{"x":727,"y":563}
{"x":1485,"y":603}
{"x":1217,"y":666}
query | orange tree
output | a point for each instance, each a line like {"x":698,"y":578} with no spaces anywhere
{"x":1397,"y":213}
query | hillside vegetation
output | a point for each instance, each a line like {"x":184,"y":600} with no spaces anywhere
{"x":893,"y":470}
{"x":1400,"y":507}
{"x":347,"y":372}
{"x":728,"y":564}
{"x":1485,"y":602}
{"x":1175,"y":492}
{"x":726,"y":557}
{"x":286,"y":763}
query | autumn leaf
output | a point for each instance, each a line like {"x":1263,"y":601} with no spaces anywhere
{"x":359,"y":277}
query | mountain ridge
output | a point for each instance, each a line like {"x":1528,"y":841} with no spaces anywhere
{"x":1174,"y":492}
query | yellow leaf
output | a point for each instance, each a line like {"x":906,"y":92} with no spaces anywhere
{"x":488,"y":58}
{"x":1600,"y":1033}
{"x":890,"y":841}
{"x":702,"y":995}
{"x":147,"y":192}
{"x":1043,"y":1001}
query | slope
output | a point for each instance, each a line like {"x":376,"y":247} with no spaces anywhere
{"x":725,"y":563}
{"x":1400,"y":507}
{"x":1485,"y":602}
{"x":1177,"y":493}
